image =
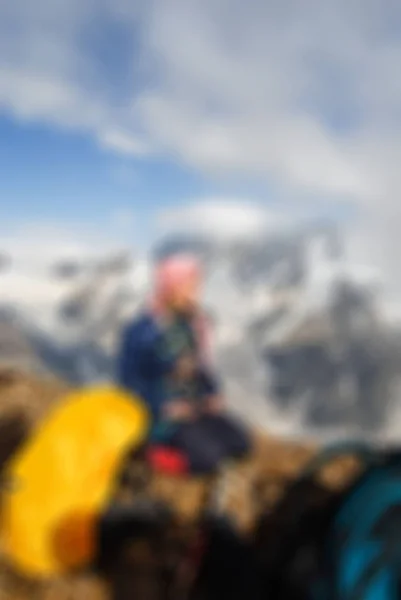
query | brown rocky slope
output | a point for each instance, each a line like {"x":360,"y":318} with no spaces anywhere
{"x":24,"y":400}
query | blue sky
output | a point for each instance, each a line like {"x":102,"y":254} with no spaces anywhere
{"x":51,"y":174}
{"x":122,"y":112}
{"x":57,"y":176}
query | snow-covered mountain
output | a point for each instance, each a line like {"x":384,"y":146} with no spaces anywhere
{"x":298,"y":328}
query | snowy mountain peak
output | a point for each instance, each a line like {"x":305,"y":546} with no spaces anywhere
{"x":265,"y":294}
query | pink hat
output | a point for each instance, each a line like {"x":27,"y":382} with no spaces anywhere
{"x":174,"y":272}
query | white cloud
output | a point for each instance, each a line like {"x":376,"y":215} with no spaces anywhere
{"x":32,"y":246}
{"x":223,"y":219}
{"x":225,"y":86}
{"x":123,"y":143}
{"x":242,"y":105}
{"x":50,"y":70}
{"x":305,"y":94}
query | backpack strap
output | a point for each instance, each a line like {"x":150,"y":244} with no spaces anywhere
{"x":363,"y":550}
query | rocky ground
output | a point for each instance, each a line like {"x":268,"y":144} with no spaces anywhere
{"x":24,"y":400}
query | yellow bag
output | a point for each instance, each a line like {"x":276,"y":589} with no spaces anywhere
{"x":64,"y":477}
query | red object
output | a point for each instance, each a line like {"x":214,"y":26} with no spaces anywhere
{"x":167,"y":460}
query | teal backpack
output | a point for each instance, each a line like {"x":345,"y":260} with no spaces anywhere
{"x":361,"y":558}
{"x":323,"y":545}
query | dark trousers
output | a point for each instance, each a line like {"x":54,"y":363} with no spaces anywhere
{"x":210,"y":440}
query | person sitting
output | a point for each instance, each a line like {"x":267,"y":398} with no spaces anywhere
{"x":164,"y":359}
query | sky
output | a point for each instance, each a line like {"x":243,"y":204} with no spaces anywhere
{"x":121,"y":117}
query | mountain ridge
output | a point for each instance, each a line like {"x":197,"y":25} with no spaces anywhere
{"x":292,"y":295}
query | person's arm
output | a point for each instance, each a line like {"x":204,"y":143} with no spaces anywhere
{"x":129,"y":374}
{"x":139,"y":363}
{"x":138,"y":356}
{"x":124,"y":360}
{"x":211,"y":385}
{"x":211,"y":389}
{"x":153,"y":362}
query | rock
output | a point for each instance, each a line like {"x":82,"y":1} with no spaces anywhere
{"x":259,"y":483}
{"x":16,"y":351}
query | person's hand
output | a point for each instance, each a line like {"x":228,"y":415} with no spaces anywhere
{"x":178,"y":410}
{"x":185,"y":367}
{"x":214,"y":405}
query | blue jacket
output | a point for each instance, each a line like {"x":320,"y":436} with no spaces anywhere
{"x":142,"y":369}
